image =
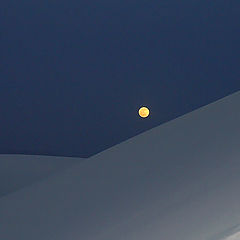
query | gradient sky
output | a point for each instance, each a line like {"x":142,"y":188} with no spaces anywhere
{"x":74,"y":73}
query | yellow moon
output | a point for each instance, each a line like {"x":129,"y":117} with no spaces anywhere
{"x":143,"y":112}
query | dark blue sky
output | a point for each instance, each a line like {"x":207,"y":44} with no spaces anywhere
{"x":74,"y":73}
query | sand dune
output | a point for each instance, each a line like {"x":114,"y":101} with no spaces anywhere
{"x":177,"y":181}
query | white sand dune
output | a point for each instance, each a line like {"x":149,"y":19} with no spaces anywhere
{"x":235,"y":236}
{"x":177,"y":181}
{"x":18,"y":170}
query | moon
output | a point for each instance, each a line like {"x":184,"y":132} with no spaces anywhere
{"x":143,"y":112}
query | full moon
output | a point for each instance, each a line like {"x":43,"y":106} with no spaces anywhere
{"x":143,"y":112}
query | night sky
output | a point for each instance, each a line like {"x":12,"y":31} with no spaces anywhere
{"x":73,"y":74}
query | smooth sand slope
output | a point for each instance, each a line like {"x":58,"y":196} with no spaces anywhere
{"x":18,"y":171}
{"x":177,"y":181}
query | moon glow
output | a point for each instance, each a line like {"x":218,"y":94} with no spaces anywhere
{"x":143,"y":112}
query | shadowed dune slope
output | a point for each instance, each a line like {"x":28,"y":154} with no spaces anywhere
{"x":17,"y":171}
